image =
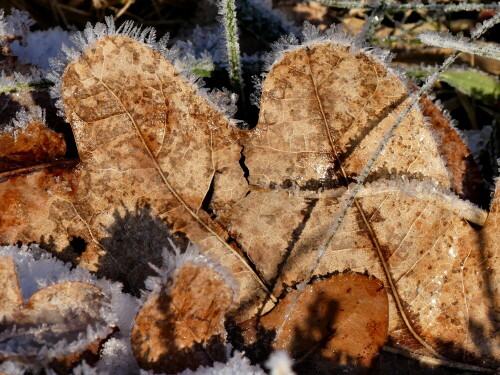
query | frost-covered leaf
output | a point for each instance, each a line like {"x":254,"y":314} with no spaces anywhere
{"x":56,"y":325}
{"x":149,"y":147}
{"x":324,"y":109}
{"x":159,"y":162}
{"x":67,"y":315}
{"x":337,"y":324}
{"x":323,"y":105}
{"x":181,"y":325}
{"x":465,"y":176}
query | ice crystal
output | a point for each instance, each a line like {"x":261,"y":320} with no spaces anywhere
{"x":81,"y":40}
{"x":85,"y":369}
{"x":18,"y":23}
{"x":478,"y":140}
{"x":205,"y":39}
{"x":38,"y":47}
{"x":227,"y":12}
{"x":312,"y":35}
{"x":176,"y":260}
{"x":237,"y":364}
{"x":117,"y":357}
{"x":411,"y":6}
{"x":37,"y":269}
{"x":261,"y":18}
{"x":23,"y":117}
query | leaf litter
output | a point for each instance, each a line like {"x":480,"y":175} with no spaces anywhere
{"x":152,"y":149}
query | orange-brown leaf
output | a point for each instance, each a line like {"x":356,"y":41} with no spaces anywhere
{"x":31,"y":145}
{"x":182,"y":326}
{"x":337,"y":324}
{"x":149,"y":147}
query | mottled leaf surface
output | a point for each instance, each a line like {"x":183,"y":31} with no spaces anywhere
{"x":323,"y":112}
{"x":33,"y":144}
{"x":149,"y":147}
{"x":157,"y":161}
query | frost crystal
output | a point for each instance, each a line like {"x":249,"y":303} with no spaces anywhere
{"x":312,"y":35}
{"x":261,"y":18}
{"x":82,"y":40}
{"x":38,"y":47}
{"x":174,"y":261}
{"x":205,"y":39}
{"x":84,"y":369}
{"x":225,"y":101}
{"x":237,"y":364}
{"x":23,"y":118}
{"x":117,"y":358}
{"x":478,"y":140}
{"x":227,"y":12}
{"x":37,"y":269}
{"x":18,"y":23}
{"x":447,"y":40}
{"x":279,"y":363}
{"x":12,"y":368}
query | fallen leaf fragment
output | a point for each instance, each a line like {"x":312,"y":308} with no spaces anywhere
{"x":465,"y":176}
{"x":182,"y":325}
{"x":338,"y":323}
{"x":32,"y":144}
{"x":323,"y":112}
{"x":57,"y":325}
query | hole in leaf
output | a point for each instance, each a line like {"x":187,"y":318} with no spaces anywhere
{"x":205,"y":205}
{"x":78,"y":244}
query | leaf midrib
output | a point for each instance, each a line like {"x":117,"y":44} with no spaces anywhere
{"x":179,"y":198}
{"x":371,"y":231}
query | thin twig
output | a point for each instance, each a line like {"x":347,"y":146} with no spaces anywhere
{"x":436,"y":361}
{"x":124,"y":9}
{"x":227,"y":11}
{"x":412,"y":6}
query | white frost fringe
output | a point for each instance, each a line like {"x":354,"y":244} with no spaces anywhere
{"x":311,"y":36}
{"x":174,"y":261}
{"x":147,"y":36}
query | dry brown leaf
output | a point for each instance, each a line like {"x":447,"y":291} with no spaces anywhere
{"x":322,"y":106}
{"x":52,"y":319}
{"x":338,"y":324}
{"x":149,"y":148}
{"x":315,"y":115}
{"x":182,"y":325}
{"x":466,"y":178}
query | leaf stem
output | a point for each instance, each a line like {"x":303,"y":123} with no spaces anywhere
{"x":227,"y":11}
{"x":436,"y":361}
